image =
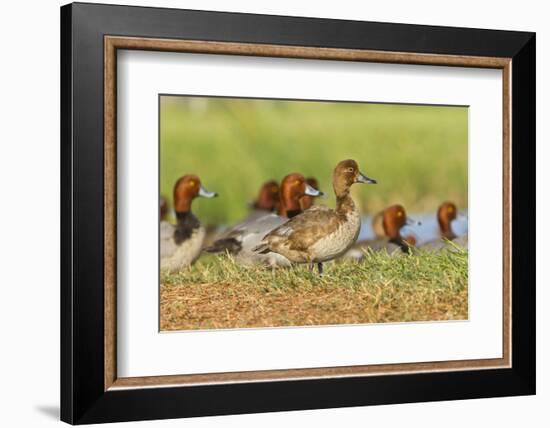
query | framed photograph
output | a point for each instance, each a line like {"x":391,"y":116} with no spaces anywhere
{"x":266,"y":213}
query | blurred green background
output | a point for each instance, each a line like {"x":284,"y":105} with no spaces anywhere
{"x":418,"y":154}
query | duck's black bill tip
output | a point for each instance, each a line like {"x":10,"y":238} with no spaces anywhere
{"x":206,"y":194}
{"x":367,"y":180}
{"x":362,"y":178}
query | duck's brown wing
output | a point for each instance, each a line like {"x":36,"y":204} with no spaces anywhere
{"x":307,"y":228}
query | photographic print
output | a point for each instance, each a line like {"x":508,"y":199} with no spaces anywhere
{"x":281,"y":213}
{"x":298,"y":194}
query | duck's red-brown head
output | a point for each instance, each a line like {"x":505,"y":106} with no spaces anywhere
{"x":393,"y":219}
{"x":163,"y":208}
{"x":186,"y":189}
{"x":293,"y":188}
{"x":345,"y":174}
{"x":446,"y":213}
{"x":307,"y":201}
{"x":268,"y":198}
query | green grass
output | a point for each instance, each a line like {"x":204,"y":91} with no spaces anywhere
{"x":418,"y":154}
{"x":217,"y":292}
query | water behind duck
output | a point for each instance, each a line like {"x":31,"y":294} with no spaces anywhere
{"x":427,"y":231}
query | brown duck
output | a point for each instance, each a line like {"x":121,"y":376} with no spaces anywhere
{"x":393,"y":220}
{"x":321,"y":233}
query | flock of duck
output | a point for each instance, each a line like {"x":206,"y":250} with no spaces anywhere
{"x":285,"y":227}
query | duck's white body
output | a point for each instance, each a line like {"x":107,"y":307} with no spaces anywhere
{"x":174,"y":256}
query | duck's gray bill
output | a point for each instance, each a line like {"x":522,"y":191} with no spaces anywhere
{"x":362,"y":178}
{"x":206,"y":194}
{"x":312,"y":192}
{"x":412,"y":222}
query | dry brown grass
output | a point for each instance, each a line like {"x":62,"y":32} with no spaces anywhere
{"x":217,"y":293}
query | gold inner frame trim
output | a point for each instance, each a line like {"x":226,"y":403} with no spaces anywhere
{"x":113,"y":43}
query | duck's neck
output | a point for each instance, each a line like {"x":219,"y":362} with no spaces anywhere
{"x":186,"y":224}
{"x":182,"y":204}
{"x":446,"y":231}
{"x":344,"y":202}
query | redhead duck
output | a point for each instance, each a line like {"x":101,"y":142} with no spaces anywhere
{"x":241,"y":239}
{"x":307,"y":201}
{"x":320,"y":234}
{"x":392,"y":220}
{"x":268,"y":198}
{"x":446,"y":213}
{"x":180,"y":244}
{"x":294,"y":187}
{"x":266,"y":202}
{"x":377,"y":224}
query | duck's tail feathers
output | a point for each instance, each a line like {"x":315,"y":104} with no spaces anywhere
{"x":263,"y":248}
{"x":230,"y":245}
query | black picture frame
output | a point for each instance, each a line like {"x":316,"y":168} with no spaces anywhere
{"x":83,"y":398}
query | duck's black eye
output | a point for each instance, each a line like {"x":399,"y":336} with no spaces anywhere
{"x":350,"y":169}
